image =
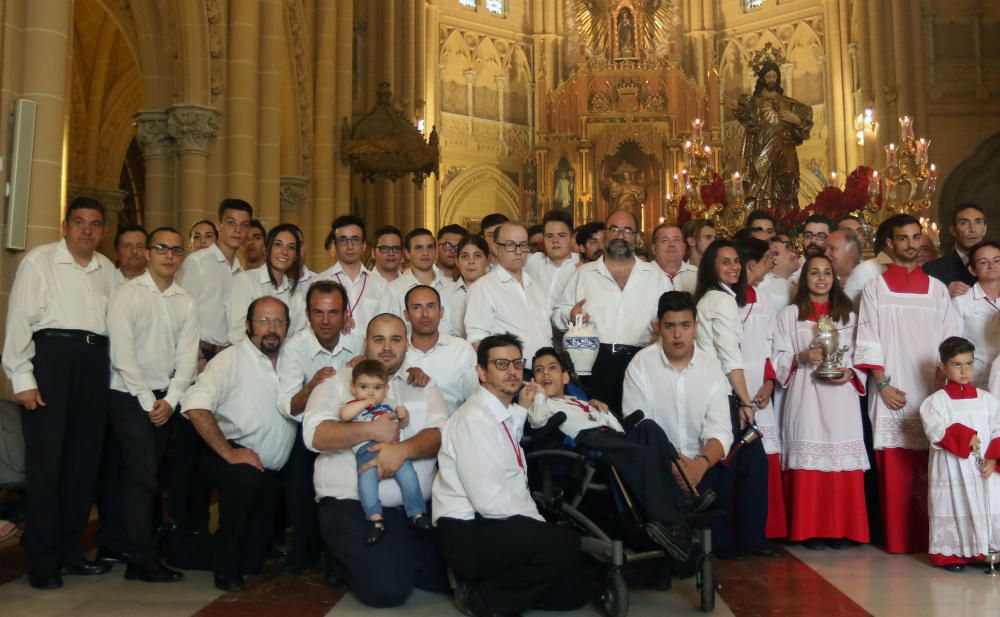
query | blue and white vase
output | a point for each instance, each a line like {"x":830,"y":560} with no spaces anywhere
{"x":582,"y":344}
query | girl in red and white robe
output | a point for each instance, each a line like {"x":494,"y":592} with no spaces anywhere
{"x":823,"y":450}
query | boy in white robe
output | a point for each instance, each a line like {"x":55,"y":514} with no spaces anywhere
{"x":960,"y":420}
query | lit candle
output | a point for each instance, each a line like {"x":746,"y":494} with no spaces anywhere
{"x":697,"y":128}
{"x":833,"y":178}
{"x":931,"y":179}
{"x":873,"y":187}
{"x":922,"y":145}
{"x":906,"y":128}
{"x":737,"y":186}
{"x":890,"y":155}
{"x":933,"y":171}
{"x":708,"y":150}
{"x":860,"y":136}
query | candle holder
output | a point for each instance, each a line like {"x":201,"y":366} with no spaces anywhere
{"x":698,"y":172}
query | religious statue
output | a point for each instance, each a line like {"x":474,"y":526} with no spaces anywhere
{"x":563,"y":188}
{"x":626,"y":33}
{"x":624,"y":191}
{"x":774,"y":125}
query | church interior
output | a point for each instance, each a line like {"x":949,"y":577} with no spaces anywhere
{"x":423,"y":113}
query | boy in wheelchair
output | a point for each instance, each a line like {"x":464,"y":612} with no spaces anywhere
{"x":642,"y":455}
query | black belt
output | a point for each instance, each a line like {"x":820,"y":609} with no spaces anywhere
{"x":618,"y":348}
{"x":82,"y":336}
{"x":160,"y":394}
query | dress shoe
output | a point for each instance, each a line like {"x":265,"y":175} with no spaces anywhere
{"x":814,"y":544}
{"x":375,"y":531}
{"x":152,"y":572}
{"x":112,"y":556}
{"x":45,"y":579}
{"x":841,"y":544}
{"x":228,"y":583}
{"x":86,"y":568}
{"x":674,"y":538}
{"x":731,"y":554}
{"x":470,"y":602}
{"x":421,"y":522}
{"x":954,"y":567}
{"x":768,"y":550}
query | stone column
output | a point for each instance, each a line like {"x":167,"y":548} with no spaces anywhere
{"x":158,"y":154}
{"x":470,"y":82}
{"x":342,"y":103}
{"x":113,"y":201}
{"x":501,"y":93}
{"x":241,"y":99}
{"x":192,"y":127}
{"x":272,"y":37}
{"x":324,"y":159}
{"x":386,"y":188}
{"x":431,"y":84}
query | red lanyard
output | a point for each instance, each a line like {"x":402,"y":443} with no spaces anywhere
{"x":583,"y":406}
{"x":517,"y":450}
{"x":350,"y":309}
{"x":749,"y":310}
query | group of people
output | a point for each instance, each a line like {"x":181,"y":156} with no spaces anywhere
{"x":377,"y":410}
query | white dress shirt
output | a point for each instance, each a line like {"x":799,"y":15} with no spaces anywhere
{"x":685,"y":279}
{"x":302,"y":357}
{"x":240,"y":387}
{"x":375,"y":273}
{"x":336,"y":472}
{"x":394,"y":299}
{"x":154,"y":340}
{"x":979,"y":321}
{"x":691,"y":406}
{"x":208,"y":277}
{"x":364,"y":293}
{"x":580,"y":416}
{"x":498,"y":303}
{"x":451,"y":362}
{"x":458,"y":300}
{"x":720,"y":329}
{"x":51,"y":290}
{"x":551,"y":277}
{"x":481,"y":466}
{"x":860,"y":276}
{"x":622,"y":316}
{"x":250,"y":285}
{"x":780,"y":290}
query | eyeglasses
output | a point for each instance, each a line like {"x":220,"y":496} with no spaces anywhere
{"x":389,"y":250}
{"x":449,"y":247}
{"x":503,"y":364}
{"x":163,"y":249}
{"x":614,"y":230}
{"x":345,"y":240}
{"x":808,"y":235}
{"x":269,"y":321}
{"x":512,"y":246}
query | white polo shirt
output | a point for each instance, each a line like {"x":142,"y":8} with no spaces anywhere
{"x":208,"y":277}
{"x":302,"y":357}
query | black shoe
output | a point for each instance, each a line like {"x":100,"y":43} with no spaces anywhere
{"x":375,"y":531}
{"x":112,"y":556}
{"x":45,"y":579}
{"x":674,"y":538}
{"x":462,"y":595}
{"x":332,"y":579}
{"x":470,"y":602}
{"x":814,"y":544}
{"x":421,"y":522}
{"x":228,"y":583}
{"x":840,"y":544}
{"x":152,"y":572}
{"x":689,"y":505}
{"x":731,"y":554}
{"x":87,"y":568}
{"x":954,"y":567}
{"x":768,"y":550}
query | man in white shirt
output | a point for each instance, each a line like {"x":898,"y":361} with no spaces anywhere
{"x":234,"y":407}
{"x":387,"y":252}
{"x":506,"y":558}
{"x":252,"y":252}
{"x":552,"y":267}
{"x":56,"y":357}
{"x":776,"y":283}
{"x":365,"y":291}
{"x":448,"y":238}
{"x":130,"y":253}
{"x":589,"y":240}
{"x":870,"y":269}
{"x":815,"y":232}
{"x":668,"y":252}
{"x":154,"y":331}
{"x":507,"y":299}
{"x":699,"y":234}
{"x":844,"y":251}
{"x":618,"y":293}
{"x":308,"y":358}
{"x":384,"y":574}
{"x":421,"y":251}
{"x":450,"y":361}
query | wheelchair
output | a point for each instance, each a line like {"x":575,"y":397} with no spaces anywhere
{"x":568,"y":480}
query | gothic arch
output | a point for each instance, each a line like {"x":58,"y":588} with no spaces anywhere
{"x":477,"y":191}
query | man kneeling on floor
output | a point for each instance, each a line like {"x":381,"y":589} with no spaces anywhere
{"x":506,"y":558}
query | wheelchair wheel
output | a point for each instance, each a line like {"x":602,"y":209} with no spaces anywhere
{"x":614,"y":600}
{"x":706,"y":585}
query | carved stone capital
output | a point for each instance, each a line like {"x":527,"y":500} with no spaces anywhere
{"x":192,"y":126}
{"x":293,"y":192}
{"x":113,"y":200}
{"x":153,"y":134}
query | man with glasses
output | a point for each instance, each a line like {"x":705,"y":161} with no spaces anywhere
{"x":814,"y":235}
{"x":384,"y":574}
{"x":507,"y":299}
{"x":505,"y":556}
{"x":153,"y":326}
{"x":365,"y":291}
{"x":56,"y":357}
{"x":234,"y":407}
{"x":421,"y":251}
{"x":618,"y":293}
{"x":448,"y":238}
{"x":552,"y":267}
{"x":388,"y":253}
{"x":668,"y":253}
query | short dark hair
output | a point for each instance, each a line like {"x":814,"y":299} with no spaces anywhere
{"x":416,"y":233}
{"x":328,"y":287}
{"x":661,"y":227}
{"x":980,"y":246}
{"x":588,"y":231}
{"x":820,"y":219}
{"x":966,"y":206}
{"x":882,"y":233}
{"x":761,"y":215}
{"x":386,"y":230}
{"x":253,"y":307}
{"x":492,"y":219}
{"x":406,"y":298}
{"x":676,"y":302}
{"x":164,"y":229}
{"x":536,"y":229}
{"x":348,"y":219}
{"x":494,"y":341}
{"x":752,"y":249}
{"x":899,"y":221}
{"x":454,"y":228}
{"x":478,"y":241}
{"x":331,"y":237}
{"x":846,"y":217}
{"x":369,"y":368}
{"x":231,"y":203}
{"x":558,"y":216}
{"x":124,"y":229}
{"x":549,"y":351}
{"x":255,"y":223}
{"x":953,"y":346}
{"x":693,"y":227}
{"x":84,"y":203}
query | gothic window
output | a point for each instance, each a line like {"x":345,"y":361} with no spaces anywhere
{"x":469,"y":4}
{"x":751,"y":4}
{"x":497,"y":7}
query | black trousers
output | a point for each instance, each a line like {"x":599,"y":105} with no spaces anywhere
{"x":643,"y":459}
{"x":110,"y":508}
{"x":381,"y":575}
{"x":607,"y":378}
{"x":190,"y":494}
{"x":63,"y":447}
{"x":141,"y":446}
{"x":300,"y":499}
{"x":247,"y":499}
{"x":518,"y":563}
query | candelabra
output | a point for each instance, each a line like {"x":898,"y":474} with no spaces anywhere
{"x":697,"y":172}
{"x":906,"y":183}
